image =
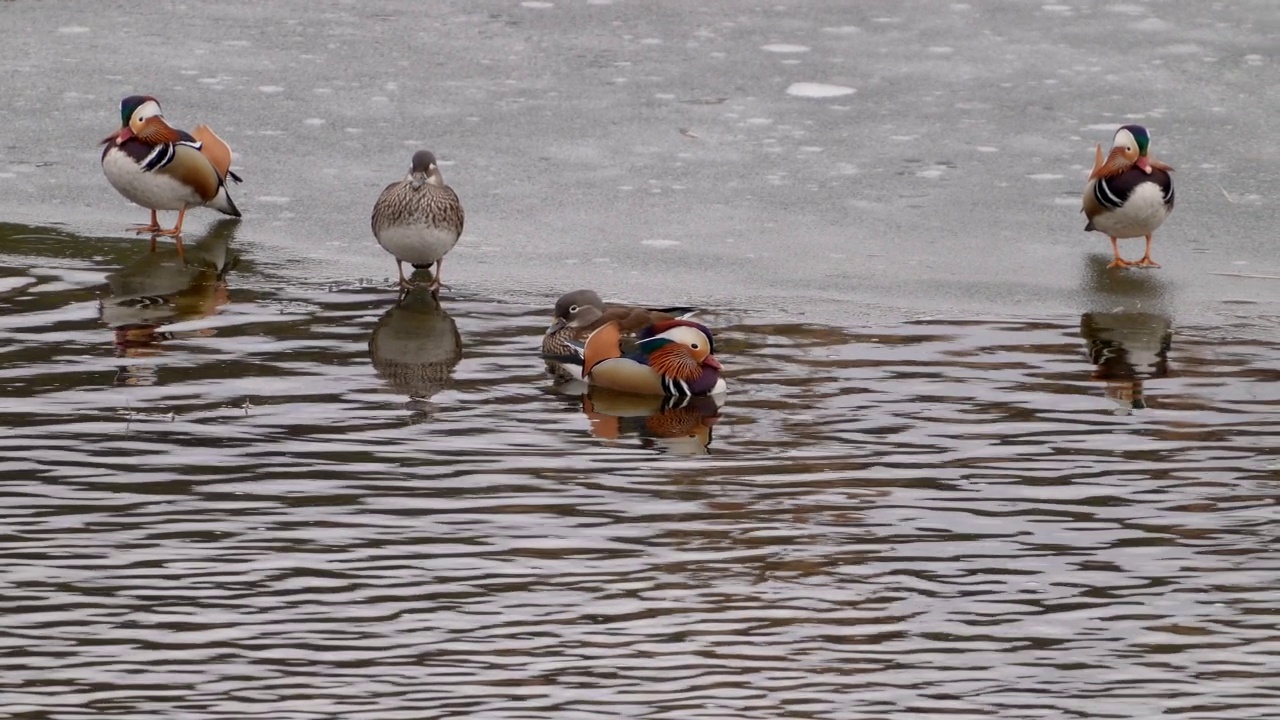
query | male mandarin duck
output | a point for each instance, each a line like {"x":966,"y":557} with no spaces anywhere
{"x":581,"y":312}
{"x":672,"y":357}
{"x":162,"y":168}
{"x":419,"y":219}
{"x":1129,"y":193}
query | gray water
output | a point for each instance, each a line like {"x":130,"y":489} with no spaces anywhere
{"x":230,"y":493}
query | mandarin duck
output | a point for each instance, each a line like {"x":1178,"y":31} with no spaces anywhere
{"x":671,"y":357}
{"x":162,"y":168}
{"x":579,"y":313}
{"x":1129,"y":194}
{"x":418,"y":219}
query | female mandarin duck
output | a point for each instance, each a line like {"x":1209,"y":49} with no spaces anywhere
{"x":419,"y":219}
{"x":161,"y":168}
{"x":581,"y":312}
{"x":1129,"y":194}
{"x":672,"y":357}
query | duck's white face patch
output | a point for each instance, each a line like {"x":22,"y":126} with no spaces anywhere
{"x":1124,"y":139}
{"x":145,"y":111}
{"x":691,"y":338}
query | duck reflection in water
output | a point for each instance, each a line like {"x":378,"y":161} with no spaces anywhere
{"x":164,"y":287}
{"x":676,"y":425}
{"x":1126,"y":349}
{"x":1127,"y":336}
{"x":415,"y":346}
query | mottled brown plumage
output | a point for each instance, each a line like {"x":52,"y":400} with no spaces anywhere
{"x":419,"y":219}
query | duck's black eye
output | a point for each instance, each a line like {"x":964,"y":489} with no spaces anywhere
{"x":573,"y":309}
{"x":694,"y":345}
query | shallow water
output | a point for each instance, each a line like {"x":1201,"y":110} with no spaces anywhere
{"x":231,"y":493}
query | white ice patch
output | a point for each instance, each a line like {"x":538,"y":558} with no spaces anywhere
{"x":1151,"y":25}
{"x":1046,"y":176}
{"x":842,"y":30}
{"x":818,"y":90}
{"x":537,"y":5}
{"x":270,"y":89}
{"x":784,"y":48}
{"x":273,"y":199}
{"x":314,"y":121}
{"x":659,"y":242}
{"x":73,"y":29}
{"x":987,"y":148}
{"x":10,"y":284}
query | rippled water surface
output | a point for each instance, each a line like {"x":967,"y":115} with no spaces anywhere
{"x":227,"y":494}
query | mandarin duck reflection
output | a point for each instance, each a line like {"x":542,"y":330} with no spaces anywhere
{"x":579,"y":313}
{"x":162,"y":168}
{"x":1127,"y":348}
{"x":677,"y":425}
{"x":1129,"y":194}
{"x":419,"y":219}
{"x":672,"y":357}
{"x":151,"y":295}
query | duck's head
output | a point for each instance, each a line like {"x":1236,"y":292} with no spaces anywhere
{"x":695,"y":339}
{"x":141,"y":117}
{"x":1131,"y":143}
{"x":576,"y":309}
{"x":424,"y":169}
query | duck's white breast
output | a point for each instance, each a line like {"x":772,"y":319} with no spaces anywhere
{"x":1140,"y":215}
{"x":152,"y":190}
{"x":417,"y":244}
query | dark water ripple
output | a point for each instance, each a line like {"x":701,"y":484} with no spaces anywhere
{"x":256,"y":498}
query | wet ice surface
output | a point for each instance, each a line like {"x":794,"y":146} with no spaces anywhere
{"x":577,"y":133}
{"x":228,"y":491}
{"x":963,"y":471}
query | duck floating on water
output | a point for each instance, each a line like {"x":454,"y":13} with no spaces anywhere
{"x":579,"y":313}
{"x":672,"y":357}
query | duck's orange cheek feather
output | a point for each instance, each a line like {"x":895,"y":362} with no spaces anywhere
{"x":156,"y":131}
{"x":675,"y":361}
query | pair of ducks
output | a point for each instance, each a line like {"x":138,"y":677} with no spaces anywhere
{"x":418,"y":220}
